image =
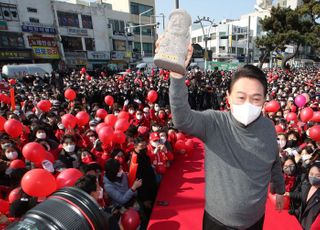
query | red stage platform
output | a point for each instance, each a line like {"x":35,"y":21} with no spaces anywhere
{"x":183,"y":188}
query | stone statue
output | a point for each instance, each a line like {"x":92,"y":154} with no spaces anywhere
{"x":173,"y":48}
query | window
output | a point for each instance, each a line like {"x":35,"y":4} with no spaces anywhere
{"x":147,"y":49}
{"x":119,"y":45}
{"x":32,"y":10}
{"x":34,"y":20}
{"x":240,"y":51}
{"x":194,"y":40}
{"x":11,"y":40}
{"x":68,"y":19}
{"x":137,"y":8}
{"x":89,"y":44}
{"x":8,"y":12}
{"x":86,"y":21}
{"x":213,"y":36}
{"x":118,"y":27}
{"x":200,"y":39}
{"x":71,"y":43}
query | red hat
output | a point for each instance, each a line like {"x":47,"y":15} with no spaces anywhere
{"x":154,"y":136}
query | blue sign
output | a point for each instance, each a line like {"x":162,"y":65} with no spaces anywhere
{"x":38,"y":28}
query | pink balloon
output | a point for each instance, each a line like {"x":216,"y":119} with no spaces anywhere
{"x":300,"y":101}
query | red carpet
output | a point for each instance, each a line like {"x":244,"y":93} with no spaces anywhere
{"x":183,"y":188}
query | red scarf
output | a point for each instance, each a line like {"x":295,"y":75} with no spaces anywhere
{"x":289,"y":182}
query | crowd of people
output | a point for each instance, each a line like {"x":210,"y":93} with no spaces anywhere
{"x":124,"y":171}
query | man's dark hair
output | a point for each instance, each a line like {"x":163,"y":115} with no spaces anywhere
{"x":138,"y":140}
{"x":87,"y":183}
{"x":251,"y":72}
{"x":111,"y":169}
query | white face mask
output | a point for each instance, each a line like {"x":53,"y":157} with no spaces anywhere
{"x":119,"y":174}
{"x":139,"y":117}
{"x":246,"y":113}
{"x":69,"y":148}
{"x":12,"y":155}
{"x":60,"y":126}
{"x":163,"y":140}
{"x":154,"y":143}
{"x":131,"y":112}
{"x":41,"y":135}
{"x":97,"y":118}
{"x":157,"y":108}
{"x":92,"y":128}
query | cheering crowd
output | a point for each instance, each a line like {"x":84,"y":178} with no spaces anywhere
{"x":113,"y":137}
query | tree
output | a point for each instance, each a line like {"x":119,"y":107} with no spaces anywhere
{"x":290,"y":27}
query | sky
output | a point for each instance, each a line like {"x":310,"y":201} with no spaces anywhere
{"x":215,"y":9}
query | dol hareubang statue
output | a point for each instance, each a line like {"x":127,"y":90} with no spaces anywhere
{"x":173,"y":48}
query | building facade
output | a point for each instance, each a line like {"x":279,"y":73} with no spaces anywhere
{"x":69,"y":33}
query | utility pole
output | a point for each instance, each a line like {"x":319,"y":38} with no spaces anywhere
{"x":141,"y":44}
{"x":248,"y":39}
{"x":177,"y":4}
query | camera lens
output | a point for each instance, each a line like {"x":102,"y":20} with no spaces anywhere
{"x":67,"y":209}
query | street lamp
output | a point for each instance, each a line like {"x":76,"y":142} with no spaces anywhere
{"x":141,"y":44}
{"x":205,"y":36}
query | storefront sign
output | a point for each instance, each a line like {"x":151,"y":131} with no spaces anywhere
{"x":98,"y":55}
{"x":76,"y":31}
{"x":116,"y":55}
{"x":3,"y":25}
{"x":15,"y":55}
{"x":43,"y":52}
{"x":222,"y":65}
{"x":37,"y":28}
{"x":76,"y":58}
{"x":42,"y":41}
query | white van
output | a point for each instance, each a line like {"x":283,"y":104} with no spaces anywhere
{"x":18,"y":71}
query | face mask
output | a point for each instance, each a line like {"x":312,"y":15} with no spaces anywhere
{"x":282,"y":143}
{"x":306,"y":157}
{"x":157,"y":108}
{"x":131,"y":112}
{"x":119,"y":174}
{"x":41,"y":135}
{"x":315,"y":181}
{"x":92,"y":139}
{"x":139,"y":117}
{"x":47,"y":165}
{"x":100,"y":193}
{"x":60,"y":126}
{"x":163,"y":140}
{"x":154,"y":143}
{"x":12,"y":155}
{"x":289,"y":170}
{"x":69,"y":148}
{"x":246,"y":113}
{"x":116,"y":113}
{"x":92,"y":128}
{"x":292,"y":143}
{"x":155,"y":128}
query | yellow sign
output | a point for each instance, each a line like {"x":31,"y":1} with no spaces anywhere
{"x":43,"y":52}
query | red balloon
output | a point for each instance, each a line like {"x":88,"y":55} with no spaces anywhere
{"x":68,"y":177}
{"x":122,"y":125}
{"x":12,"y":81}
{"x":89,"y":78}
{"x":152,"y":96}
{"x":4,"y":206}
{"x":100,"y":126}
{"x":110,"y":120}
{"x":189,"y":145}
{"x":161,"y":169}
{"x":106,"y":135}
{"x":13,"y":127}
{"x":291,"y":117}
{"x":272,"y":106}
{"x":109,"y":100}
{"x":314,"y":132}
{"x":130,"y":219}
{"x":14,"y":195}
{"x":2,"y":121}
{"x":82,"y":118}
{"x":69,"y":121}
{"x":187,"y":82}
{"x":70,"y":94}
{"x":306,"y":114}
{"x":83,"y":70}
{"x":279,"y":129}
{"x":101,"y":113}
{"x":316,"y":117}
{"x":180,"y":147}
{"x":124,"y":115}
{"x":180,"y":136}
{"x":17,"y":164}
{"x":49,"y":156}
{"x":119,"y":137}
{"x":38,"y":182}
{"x":35,"y":152}
{"x":44,"y":105}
